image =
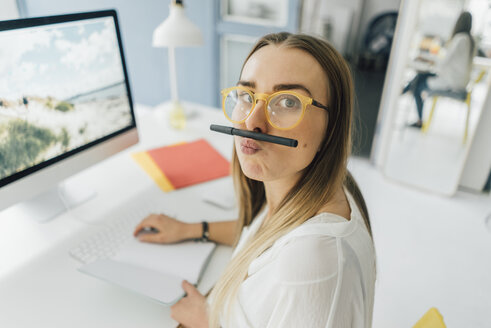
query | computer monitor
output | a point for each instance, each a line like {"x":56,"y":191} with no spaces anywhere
{"x":65,"y":104}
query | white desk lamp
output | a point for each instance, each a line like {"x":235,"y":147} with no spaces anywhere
{"x":176,"y":31}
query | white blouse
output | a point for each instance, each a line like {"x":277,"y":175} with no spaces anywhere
{"x":454,"y":71}
{"x":321,"y":274}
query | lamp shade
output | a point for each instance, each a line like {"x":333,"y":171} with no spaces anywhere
{"x":177,"y":30}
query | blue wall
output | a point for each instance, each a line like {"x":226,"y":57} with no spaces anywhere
{"x":197,"y":73}
{"x":198,"y":68}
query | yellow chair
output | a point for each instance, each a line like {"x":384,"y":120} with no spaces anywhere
{"x":431,"y":319}
{"x":462,"y":95}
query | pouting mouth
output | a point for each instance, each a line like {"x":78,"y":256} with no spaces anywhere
{"x":249,"y":143}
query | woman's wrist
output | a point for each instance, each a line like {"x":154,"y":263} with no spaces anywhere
{"x":193,"y":230}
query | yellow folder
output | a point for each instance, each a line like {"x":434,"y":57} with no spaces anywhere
{"x":431,"y":319}
{"x":149,"y":166}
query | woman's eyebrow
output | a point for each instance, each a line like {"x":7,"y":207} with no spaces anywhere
{"x":247,"y":84}
{"x":277,"y":87}
{"x":280,"y":87}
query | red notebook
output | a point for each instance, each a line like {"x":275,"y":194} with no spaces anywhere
{"x":184,"y":164}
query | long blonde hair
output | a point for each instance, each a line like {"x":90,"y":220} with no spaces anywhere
{"x":324,"y":175}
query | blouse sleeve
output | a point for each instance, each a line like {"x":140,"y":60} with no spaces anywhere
{"x":306,"y":282}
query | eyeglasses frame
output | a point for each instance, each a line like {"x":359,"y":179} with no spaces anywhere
{"x":266,"y":98}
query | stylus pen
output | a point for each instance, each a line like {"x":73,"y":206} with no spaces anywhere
{"x":254,"y":135}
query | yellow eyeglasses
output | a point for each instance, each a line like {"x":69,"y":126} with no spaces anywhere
{"x":284,"y":109}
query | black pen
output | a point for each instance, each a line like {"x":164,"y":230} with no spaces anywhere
{"x":254,"y":135}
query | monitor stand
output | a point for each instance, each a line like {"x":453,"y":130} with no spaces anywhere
{"x":48,"y":205}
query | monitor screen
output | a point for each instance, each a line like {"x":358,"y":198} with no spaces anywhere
{"x":63,"y":88}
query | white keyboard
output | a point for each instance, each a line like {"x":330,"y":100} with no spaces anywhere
{"x":190,"y":203}
{"x":114,"y":232}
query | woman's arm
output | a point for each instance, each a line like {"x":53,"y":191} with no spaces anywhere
{"x":222,"y":232}
{"x":169,"y":230}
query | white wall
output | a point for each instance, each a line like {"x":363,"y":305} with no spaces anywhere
{"x":8,"y":9}
{"x":478,"y":162}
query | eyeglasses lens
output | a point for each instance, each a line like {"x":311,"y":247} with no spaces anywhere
{"x":237,"y":105}
{"x":284,"y":110}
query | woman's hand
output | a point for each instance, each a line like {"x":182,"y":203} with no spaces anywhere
{"x":191,"y":310}
{"x":165,"y":229}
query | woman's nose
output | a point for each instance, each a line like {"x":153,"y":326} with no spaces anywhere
{"x":257,"y":121}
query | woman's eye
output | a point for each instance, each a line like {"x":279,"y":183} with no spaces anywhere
{"x":245,"y":97}
{"x":288,"y":103}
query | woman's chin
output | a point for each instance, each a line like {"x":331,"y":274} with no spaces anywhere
{"x":253,"y":171}
{"x":254,"y":175}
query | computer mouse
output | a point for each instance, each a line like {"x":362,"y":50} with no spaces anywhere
{"x":147,"y":230}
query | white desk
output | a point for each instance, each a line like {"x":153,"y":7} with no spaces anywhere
{"x":39,"y":284}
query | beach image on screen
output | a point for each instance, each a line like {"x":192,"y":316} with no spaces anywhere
{"x":61,"y":86}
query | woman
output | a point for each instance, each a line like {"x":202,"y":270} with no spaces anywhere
{"x":305,"y":256}
{"x":453,"y":72}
